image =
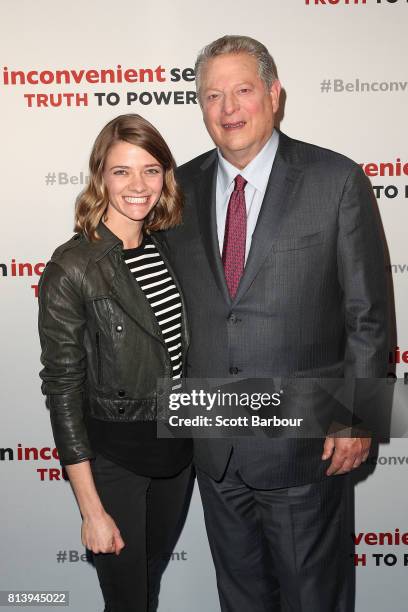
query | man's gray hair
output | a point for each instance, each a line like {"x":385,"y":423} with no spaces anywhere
{"x":238,"y":44}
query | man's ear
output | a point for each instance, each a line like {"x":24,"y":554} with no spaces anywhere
{"x":275,"y":94}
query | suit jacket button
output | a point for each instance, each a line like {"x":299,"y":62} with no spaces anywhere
{"x":121,"y":410}
{"x":119,"y":328}
{"x":233,"y":318}
{"x":234,"y":371}
{"x":121,"y":393}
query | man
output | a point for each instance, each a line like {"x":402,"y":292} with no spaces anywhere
{"x":282,"y":265}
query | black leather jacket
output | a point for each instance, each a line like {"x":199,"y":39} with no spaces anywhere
{"x":102,"y":348}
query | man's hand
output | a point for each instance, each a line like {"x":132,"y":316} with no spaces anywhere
{"x":347,"y":453}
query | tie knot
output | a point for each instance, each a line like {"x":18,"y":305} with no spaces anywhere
{"x":240,"y":183}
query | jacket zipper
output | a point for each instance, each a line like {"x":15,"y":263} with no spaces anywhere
{"x":98,"y":358}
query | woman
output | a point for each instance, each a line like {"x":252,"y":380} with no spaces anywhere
{"x":112,"y":322}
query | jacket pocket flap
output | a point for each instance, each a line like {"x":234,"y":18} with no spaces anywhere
{"x":298,"y":242}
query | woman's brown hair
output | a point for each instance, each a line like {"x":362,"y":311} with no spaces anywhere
{"x":93,"y":201}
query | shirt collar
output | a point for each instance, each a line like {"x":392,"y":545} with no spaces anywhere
{"x":256,"y":172}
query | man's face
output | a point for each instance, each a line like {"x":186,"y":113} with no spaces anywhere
{"x":238,"y":110}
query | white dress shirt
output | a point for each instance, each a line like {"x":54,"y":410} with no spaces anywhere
{"x":256,"y":173}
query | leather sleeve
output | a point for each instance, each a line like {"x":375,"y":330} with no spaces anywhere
{"x":61,"y":328}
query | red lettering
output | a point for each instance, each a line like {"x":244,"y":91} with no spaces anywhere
{"x":92,"y":76}
{"x":25,"y":266}
{"x":357,"y":538}
{"x":370,"y":169}
{"x":371,"y":539}
{"x":385,"y":538}
{"x":39,"y":268}
{"x":53,"y":474}
{"x":81,"y":100}
{"x":42,"y":100}
{"x":30,"y":77}
{"x":29,"y":98}
{"x":148,"y":72}
{"x":130,"y":75}
{"x":77,"y":75}
{"x":56,"y":99}
{"x":396,"y":168}
{"x":360,"y":560}
{"x":28,"y":452}
{"x":45,"y":453}
{"x":394,"y":356}
{"x":159,"y":72}
{"x":46,"y":77}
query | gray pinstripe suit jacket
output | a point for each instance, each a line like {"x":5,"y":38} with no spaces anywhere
{"x":312,"y":301}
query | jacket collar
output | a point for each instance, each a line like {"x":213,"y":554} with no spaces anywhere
{"x":108,"y":241}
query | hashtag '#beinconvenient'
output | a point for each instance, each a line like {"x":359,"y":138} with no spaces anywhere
{"x":325,"y":86}
{"x":62,"y":556}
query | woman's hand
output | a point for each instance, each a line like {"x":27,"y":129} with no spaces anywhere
{"x":101,"y":535}
{"x":99,"y":531}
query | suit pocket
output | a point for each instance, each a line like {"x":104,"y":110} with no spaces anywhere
{"x":298,"y":242}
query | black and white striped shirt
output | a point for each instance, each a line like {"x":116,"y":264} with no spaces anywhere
{"x":149,"y":270}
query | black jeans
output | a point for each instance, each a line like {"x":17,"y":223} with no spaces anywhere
{"x":150,"y":514}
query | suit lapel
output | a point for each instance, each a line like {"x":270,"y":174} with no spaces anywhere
{"x":275,"y":206}
{"x":206,"y":193}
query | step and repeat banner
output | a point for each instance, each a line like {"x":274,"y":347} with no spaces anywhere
{"x":65,"y":70}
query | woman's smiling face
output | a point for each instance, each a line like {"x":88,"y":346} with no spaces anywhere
{"x":134,"y":181}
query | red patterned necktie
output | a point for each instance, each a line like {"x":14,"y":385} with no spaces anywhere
{"x":233,"y":252}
